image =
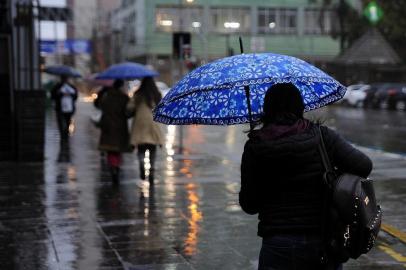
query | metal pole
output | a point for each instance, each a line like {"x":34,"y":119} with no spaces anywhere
{"x":18,"y":56}
{"x":247,"y":93}
{"x":38,"y":38}
{"x":11,"y":41}
{"x":180,"y":150}
{"x":30,"y":43}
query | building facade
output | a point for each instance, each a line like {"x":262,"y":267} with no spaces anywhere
{"x":296,"y":27}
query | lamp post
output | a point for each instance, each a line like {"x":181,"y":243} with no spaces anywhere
{"x":181,"y":63}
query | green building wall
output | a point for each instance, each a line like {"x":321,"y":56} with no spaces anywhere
{"x":318,"y":47}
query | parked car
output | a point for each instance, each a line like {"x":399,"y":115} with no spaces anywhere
{"x":355,"y":95}
{"x":369,"y":101}
{"x":401,"y":99}
{"x":391,"y":96}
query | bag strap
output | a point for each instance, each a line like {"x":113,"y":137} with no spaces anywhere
{"x":328,"y":169}
{"x":323,"y":153}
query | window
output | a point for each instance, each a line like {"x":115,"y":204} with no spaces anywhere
{"x":277,"y":20}
{"x":317,"y":22}
{"x":177,"y":18}
{"x":226,"y":20}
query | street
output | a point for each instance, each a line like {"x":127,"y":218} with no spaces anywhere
{"x":65,"y":214}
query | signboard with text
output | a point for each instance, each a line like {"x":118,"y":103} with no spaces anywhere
{"x":69,"y":46}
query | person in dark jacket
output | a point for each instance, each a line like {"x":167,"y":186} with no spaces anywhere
{"x":281,"y":181}
{"x":64,"y":95}
{"x":114,"y":138}
{"x":100,"y":95}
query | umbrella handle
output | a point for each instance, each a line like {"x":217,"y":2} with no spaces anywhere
{"x":247,"y":95}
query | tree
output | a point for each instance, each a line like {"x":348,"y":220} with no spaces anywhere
{"x":393,"y":24}
{"x":349,"y":24}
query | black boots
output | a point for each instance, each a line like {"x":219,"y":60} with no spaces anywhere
{"x":151,"y":176}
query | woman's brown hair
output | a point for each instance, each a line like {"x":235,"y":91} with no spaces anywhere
{"x":149,"y":91}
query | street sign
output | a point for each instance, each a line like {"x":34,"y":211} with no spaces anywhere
{"x":69,"y":46}
{"x":373,"y":12}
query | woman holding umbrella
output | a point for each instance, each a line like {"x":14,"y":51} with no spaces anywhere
{"x":64,"y":95}
{"x":281,"y":170}
{"x":281,"y":180}
{"x":145,"y":133}
{"x":115,"y":138}
{"x":114,"y":128}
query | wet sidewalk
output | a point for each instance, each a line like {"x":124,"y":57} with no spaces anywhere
{"x":66,"y":214}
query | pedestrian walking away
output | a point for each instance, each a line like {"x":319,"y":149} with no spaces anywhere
{"x":96,"y":118}
{"x":282,"y":181}
{"x":146,"y":134}
{"x":114,"y":128}
{"x":64,"y":95}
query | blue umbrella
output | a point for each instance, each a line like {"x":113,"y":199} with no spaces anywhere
{"x":62,"y":70}
{"x":231,"y":90}
{"x":126,"y":71}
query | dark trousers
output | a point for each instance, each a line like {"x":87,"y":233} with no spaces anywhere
{"x":142,"y":148}
{"x":291,"y":252}
{"x":63,"y":120}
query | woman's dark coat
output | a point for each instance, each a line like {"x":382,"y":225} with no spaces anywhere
{"x":113,"y":124}
{"x":281,"y":175}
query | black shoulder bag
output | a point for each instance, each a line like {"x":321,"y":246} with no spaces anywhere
{"x":352,"y":216}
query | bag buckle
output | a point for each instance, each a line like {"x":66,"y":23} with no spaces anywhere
{"x":346,"y":235}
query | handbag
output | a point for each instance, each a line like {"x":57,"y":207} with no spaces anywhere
{"x":352,"y":217}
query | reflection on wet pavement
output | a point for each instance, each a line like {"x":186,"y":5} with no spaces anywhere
{"x":66,"y":214}
{"x":193,"y":219}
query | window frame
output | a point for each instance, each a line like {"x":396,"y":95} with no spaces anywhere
{"x":243,"y":19}
{"x":188,"y":14}
{"x":328,"y":18}
{"x":282,"y":17}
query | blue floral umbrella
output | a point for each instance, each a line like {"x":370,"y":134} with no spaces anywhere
{"x":231,"y":90}
{"x":62,"y":70}
{"x":126,"y":71}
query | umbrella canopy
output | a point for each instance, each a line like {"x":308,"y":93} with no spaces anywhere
{"x":91,"y":79}
{"x":126,"y":71}
{"x":216,"y":93}
{"x":62,"y":70}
